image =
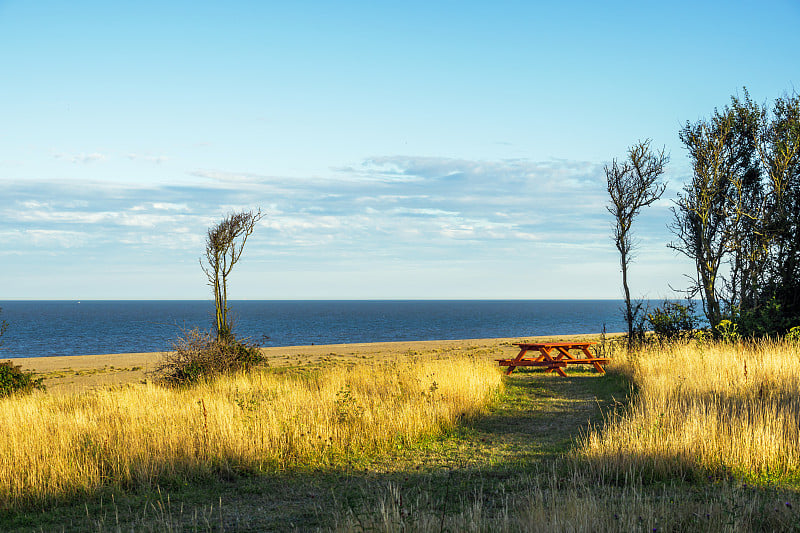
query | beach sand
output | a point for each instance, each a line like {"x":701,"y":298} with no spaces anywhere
{"x":81,"y":372}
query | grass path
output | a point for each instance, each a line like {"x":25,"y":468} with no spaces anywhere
{"x":535,"y":420}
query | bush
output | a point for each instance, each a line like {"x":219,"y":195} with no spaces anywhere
{"x":13,"y":380}
{"x":794,"y":335}
{"x":728,"y":331}
{"x":673,"y":321}
{"x":200,"y":355}
{"x":766,"y":320}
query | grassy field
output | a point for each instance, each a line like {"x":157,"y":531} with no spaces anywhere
{"x":686,"y":437}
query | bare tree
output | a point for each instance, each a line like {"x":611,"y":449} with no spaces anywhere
{"x":224,"y":246}
{"x":632,"y":185}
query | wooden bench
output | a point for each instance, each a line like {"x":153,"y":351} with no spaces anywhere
{"x":554,"y":356}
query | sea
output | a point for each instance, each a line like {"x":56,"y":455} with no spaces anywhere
{"x":58,"y":328}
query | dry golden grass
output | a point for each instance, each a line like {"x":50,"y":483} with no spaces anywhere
{"x":56,"y":446}
{"x":705,"y":410}
{"x":731,"y":412}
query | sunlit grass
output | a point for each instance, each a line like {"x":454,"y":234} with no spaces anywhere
{"x":705,"y":410}
{"x":706,"y":441}
{"x":52,"y":447}
{"x":709,"y":440}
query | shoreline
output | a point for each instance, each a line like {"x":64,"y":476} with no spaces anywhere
{"x":73,"y":373}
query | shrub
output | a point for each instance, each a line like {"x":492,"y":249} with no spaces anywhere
{"x":727,"y":331}
{"x":200,"y":355}
{"x":13,"y":380}
{"x":767,"y":319}
{"x":794,"y":335}
{"x":673,"y":320}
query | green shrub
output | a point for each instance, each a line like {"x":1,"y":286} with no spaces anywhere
{"x":703,"y":336}
{"x":794,"y":335}
{"x":727,"y":331}
{"x":200,"y":355}
{"x":14,"y":380}
{"x":768,"y":319}
{"x":673,"y":321}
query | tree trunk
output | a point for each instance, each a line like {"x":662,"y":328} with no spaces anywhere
{"x":628,"y":307}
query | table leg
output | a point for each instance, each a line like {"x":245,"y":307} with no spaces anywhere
{"x":547,"y":357}
{"x":556,"y":369}
{"x":519,"y":356}
{"x":564,"y":353}
{"x":598,"y":367}
{"x":545,"y":354}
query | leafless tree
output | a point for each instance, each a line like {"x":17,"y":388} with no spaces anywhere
{"x":224,"y":246}
{"x":632,"y":184}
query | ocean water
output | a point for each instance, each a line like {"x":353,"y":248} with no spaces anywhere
{"x":55,"y":328}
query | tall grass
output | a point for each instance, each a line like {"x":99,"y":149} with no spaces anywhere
{"x":715,"y":425}
{"x":53,"y":447}
{"x":705,"y":410}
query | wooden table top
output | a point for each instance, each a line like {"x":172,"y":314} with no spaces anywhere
{"x":552,"y":344}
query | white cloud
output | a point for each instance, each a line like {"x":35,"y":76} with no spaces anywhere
{"x":422,"y":212}
{"x":386,"y":208}
{"x":157,"y":159}
{"x":161,"y":206}
{"x":44,"y":238}
{"x":33,"y":204}
{"x":81,"y":158}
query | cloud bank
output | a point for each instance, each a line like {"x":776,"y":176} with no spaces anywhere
{"x":396,"y":211}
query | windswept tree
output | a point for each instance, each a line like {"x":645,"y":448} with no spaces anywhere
{"x":632,"y":184}
{"x":224,"y":246}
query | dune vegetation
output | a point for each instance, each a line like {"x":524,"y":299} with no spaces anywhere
{"x":55,"y":447}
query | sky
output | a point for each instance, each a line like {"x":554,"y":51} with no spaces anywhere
{"x":403,"y":150}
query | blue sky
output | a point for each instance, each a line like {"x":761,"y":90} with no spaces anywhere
{"x":399,"y":150}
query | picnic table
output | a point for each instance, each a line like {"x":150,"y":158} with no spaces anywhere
{"x":555,"y":356}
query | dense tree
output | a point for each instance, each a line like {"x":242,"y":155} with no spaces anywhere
{"x":224,"y":246}
{"x":747,"y":240}
{"x":632,"y":185}
{"x":780,"y":153}
{"x":705,"y":222}
{"x":738,"y":218}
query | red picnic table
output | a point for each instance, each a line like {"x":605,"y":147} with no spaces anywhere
{"x":555,"y":356}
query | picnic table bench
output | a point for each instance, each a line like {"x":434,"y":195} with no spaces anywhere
{"x":555,"y":356}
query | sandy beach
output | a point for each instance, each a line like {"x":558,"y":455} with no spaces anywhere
{"x":80,"y":372}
